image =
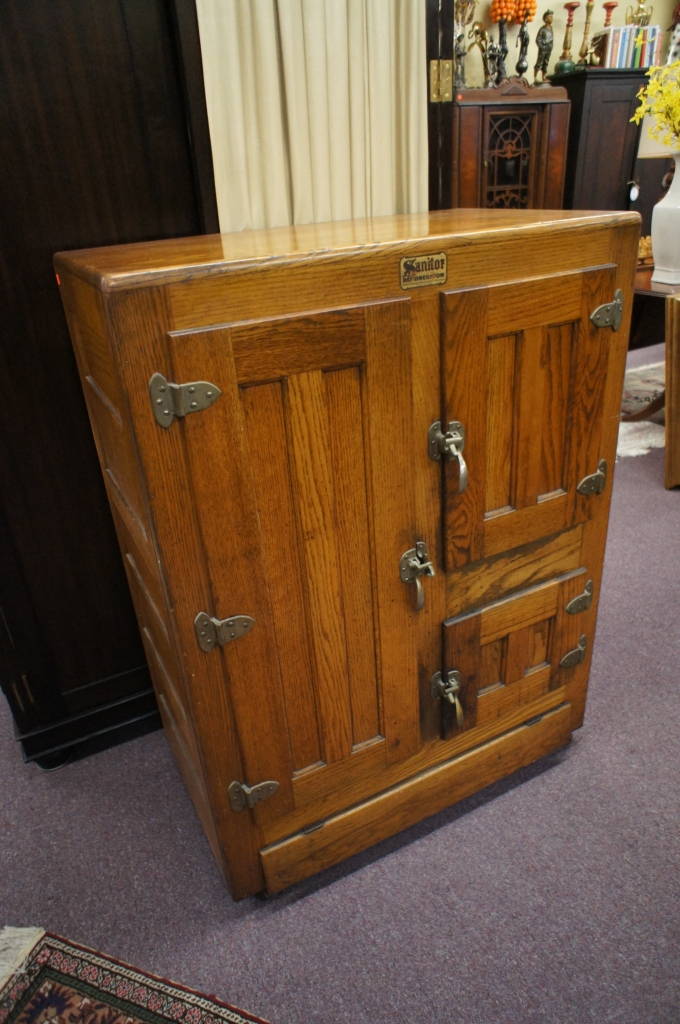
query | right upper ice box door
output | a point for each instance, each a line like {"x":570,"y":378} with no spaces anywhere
{"x":525,"y":375}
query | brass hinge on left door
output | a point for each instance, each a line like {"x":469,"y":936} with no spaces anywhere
{"x":211,"y":631}
{"x":169,"y":400}
{"x":441,"y":81}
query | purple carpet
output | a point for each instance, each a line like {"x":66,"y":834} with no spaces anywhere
{"x":551,"y":897}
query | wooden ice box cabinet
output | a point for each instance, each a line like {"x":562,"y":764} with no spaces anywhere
{"x":361,"y":474}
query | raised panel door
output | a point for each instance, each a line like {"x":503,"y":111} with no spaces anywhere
{"x":304,"y":512}
{"x":512,"y":651}
{"x":525,"y":372}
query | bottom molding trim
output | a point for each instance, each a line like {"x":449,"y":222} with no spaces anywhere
{"x":354,"y":830}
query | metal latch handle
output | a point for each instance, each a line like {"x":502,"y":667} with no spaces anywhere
{"x":413,"y":565}
{"x":447,"y":686}
{"x":449,"y":444}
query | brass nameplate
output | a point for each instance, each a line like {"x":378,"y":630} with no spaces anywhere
{"x":417,"y":271}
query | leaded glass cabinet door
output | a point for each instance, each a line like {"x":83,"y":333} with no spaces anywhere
{"x":509,"y":164}
{"x":508,"y":147}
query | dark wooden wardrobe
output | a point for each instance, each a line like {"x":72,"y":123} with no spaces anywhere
{"x":104,"y":139}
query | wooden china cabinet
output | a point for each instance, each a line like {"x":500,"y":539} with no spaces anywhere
{"x":509,"y":146}
{"x":360,"y":474}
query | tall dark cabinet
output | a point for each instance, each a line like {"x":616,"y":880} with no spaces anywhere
{"x":105,"y":139}
{"x":602,"y":150}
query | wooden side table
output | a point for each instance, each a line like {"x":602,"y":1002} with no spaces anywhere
{"x":672,"y":461}
{"x":647,"y":293}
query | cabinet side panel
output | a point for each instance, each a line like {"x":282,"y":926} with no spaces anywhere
{"x":140,"y":324}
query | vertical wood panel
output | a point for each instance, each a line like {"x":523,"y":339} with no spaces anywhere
{"x":266,"y":433}
{"x":225,"y":508}
{"x":556,"y":363}
{"x":462,"y":643}
{"x":589,"y":386}
{"x":141,"y":320}
{"x":530,"y":418}
{"x":427,"y":478}
{"x":391,"y":446}
{"x":501,"y":356}
{"x":347,"y":444}
{"x":314,"y":483}
{"x":520,"y":649}
{"x":464,"y":354}
{"x":491,"y":668}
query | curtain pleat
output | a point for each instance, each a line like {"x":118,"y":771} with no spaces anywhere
{"x":317,"y":108}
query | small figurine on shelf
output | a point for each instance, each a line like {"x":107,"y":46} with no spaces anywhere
{"x":459,"y":62}
{"x":463,"y":15}
{"x":502,"y":11}
{"x":480,"y":38}
{"x":544,"y":41}
{"x":525,"y":11}
{"x":565,"y":64}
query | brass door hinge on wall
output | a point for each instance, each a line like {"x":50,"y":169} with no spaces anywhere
{"x":169,"y":400}
{"x":441,"y":81}
{"x":242,"y":795}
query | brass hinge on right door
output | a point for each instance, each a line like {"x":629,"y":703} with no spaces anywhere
{"x":241,"y":795}
{"x":441,"y":81}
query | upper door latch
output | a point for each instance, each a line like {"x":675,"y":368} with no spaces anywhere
{"x":448,"y":444}
{"x":413,"y":565}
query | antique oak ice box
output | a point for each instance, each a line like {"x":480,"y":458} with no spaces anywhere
{"x":360,"y":474}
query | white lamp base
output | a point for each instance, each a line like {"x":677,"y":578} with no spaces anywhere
{"x":666,"y":233}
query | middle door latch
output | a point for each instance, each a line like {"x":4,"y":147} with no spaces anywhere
{"x":413,"y":565}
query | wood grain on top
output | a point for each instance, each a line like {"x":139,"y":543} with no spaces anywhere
{"x":127,"y":266}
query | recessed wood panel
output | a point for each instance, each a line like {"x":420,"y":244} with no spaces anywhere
{"x":508,"y":652}
{"x":264,"y":414}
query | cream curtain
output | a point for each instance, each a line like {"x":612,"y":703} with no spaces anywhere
{"x":317,"y":108}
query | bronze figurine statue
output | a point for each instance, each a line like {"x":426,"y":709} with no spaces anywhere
{"x":544,"y":41}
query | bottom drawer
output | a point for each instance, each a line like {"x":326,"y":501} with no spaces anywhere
{"x":349,"y":832}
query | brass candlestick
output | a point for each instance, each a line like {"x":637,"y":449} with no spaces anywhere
{"x":565,"y":64}
{"x":585,"y":45}
{"x":609,"y":7}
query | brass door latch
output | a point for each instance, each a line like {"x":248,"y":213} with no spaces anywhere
{"x":448,"y":445}
{"x":446,"y":685}
{"x":413,"y":565}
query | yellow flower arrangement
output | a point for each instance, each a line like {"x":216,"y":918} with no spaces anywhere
{"x":660,"y":98}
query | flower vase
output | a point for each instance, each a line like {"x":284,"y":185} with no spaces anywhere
{"x":666,"y":232}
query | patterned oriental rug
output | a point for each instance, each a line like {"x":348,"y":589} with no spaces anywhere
{"x":642,"y":398}
{"x":46,"y":980}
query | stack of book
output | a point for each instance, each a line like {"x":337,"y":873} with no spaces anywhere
{"x":629,"y":46}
